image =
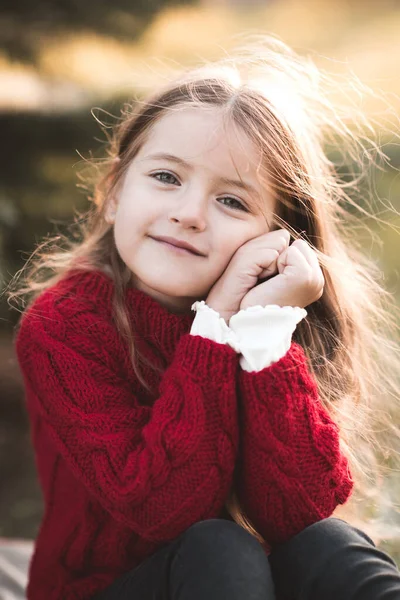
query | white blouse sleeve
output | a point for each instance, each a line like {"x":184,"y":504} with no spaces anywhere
{"x":265,"y":333}
{"x":262,"y":335}
{"x":207,"y":323}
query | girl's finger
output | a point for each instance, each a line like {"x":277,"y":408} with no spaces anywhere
{"x":310,"y":255}
{"x":292,"y":257}
{"x":265,"y":259}
{"x":308,"y":252}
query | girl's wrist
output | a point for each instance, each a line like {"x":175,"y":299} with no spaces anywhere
{"x":223,"y":313}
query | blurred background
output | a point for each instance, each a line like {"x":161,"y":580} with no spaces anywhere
{"x":60,"y":59}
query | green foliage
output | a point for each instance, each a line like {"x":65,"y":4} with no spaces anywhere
{"x":23,"y":22}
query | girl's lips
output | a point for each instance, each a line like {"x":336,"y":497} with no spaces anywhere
{"x":176,"y":249}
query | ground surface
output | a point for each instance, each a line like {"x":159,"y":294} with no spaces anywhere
{"x":20,"y":497}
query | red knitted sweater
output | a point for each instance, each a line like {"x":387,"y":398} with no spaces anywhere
{"x":124,"y":471}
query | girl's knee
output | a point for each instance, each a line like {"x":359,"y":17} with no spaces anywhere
{"x":338,"y":531}
{"x":217,"y":529}
{"x":217,"y":554}
{"x":224,"y":539}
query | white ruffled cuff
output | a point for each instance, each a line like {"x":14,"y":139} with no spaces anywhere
{"x":262,"y":335}
{"x":207,"y":323}
{"x":265,"y":333}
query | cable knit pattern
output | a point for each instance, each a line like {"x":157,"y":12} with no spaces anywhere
{"x":119,"y":478}
{"x":123,"y":472}
{"x":291,"y":471}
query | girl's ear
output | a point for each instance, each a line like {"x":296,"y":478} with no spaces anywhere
{"x":110,"y":211}
{"x":112,"y":204}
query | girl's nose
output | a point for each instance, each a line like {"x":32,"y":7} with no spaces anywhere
{"x":191,"y":210}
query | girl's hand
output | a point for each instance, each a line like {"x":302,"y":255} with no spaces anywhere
{"x":254,"y":260}
{"x":300,"y":281}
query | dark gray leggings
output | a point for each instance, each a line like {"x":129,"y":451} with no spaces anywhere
{"x":218,"y":560}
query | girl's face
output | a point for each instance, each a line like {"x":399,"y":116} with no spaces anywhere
{"x":184,"y":183}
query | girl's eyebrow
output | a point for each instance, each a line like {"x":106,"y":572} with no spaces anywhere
{"x":171,"y":157}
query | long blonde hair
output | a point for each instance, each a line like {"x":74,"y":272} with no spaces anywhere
{"x":282,"y":102}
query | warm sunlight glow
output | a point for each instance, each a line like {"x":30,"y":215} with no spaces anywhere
{"x":77,"y":69}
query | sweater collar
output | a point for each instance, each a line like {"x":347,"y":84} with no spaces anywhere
{"x":151,"y":321}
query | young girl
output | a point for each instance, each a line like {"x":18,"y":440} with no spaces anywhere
{"x":187,"y":365}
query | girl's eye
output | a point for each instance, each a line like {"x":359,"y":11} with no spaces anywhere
{"x":160,"y":176}
{"x":239,"y":205}
{"x":166,"y":177}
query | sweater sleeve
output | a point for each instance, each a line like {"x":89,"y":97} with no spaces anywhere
{"x":291,"y":471}
{"x":156,"y":469}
